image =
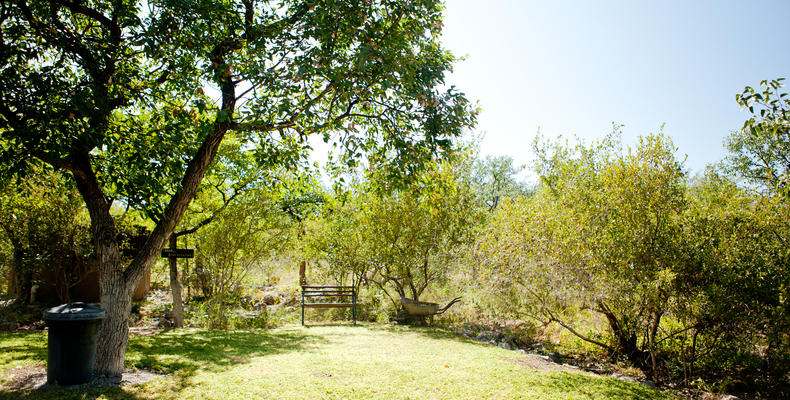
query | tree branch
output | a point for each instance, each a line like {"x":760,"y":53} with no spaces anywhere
{"x":210,"y":219}
{"x":78,"y":8}
{"x":196,"y":169}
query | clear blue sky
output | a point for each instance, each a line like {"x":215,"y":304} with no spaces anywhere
{"x":574,"y":67}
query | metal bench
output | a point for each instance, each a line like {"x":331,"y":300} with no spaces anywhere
{"x":335,"y":294}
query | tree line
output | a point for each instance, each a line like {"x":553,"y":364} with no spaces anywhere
{"x":126,"y":125}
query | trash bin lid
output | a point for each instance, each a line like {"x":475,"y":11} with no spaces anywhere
{"x":74,"y":312}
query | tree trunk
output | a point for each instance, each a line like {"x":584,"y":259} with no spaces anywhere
{"x":303,"y":264}
{"x":11,"y":282}
{"x":21,"y":282}
{"x":116,"y":282}
{"x":116,"y":293}
{"x":626,"y":341}
{"x":175,"y":287}
{"x":25,"y":287}
{"x":303,"y":273}
{"x":652,"y":343}
{"x":116,"y":300}
{"x":114,"y":333}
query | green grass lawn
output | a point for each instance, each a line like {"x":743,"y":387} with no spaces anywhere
{"x":326,"y":362}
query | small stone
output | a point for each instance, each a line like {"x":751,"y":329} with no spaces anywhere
{"x":7,"y":325}
{"x":466,"y":332}
{"x":483,"y":337}
{"x":622,"y":377}
{"x":164,"y":323}
{"x":505,"y":345}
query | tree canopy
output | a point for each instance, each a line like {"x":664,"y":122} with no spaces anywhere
{"x":760,"y":150}
{"x":134,"y":98}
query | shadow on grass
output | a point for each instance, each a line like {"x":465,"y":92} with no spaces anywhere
{"x":188,"y":351}
{"x":72,"y":394}
{"x":432,"y":332}
{"x":601,"y":387}
{"x":180,"y":354}
{"x":333,"y":324}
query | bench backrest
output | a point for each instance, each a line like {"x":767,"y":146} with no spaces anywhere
{"x":327,"y":291}
{"x":346,"y":295}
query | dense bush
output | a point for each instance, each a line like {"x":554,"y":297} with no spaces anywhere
{"x":600,"y":234}
{"x":46,"y":236}
{"x":689,"y":277}
{"x":738,"y":240}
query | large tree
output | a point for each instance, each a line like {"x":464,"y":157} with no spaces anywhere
{"x":133,"y":99}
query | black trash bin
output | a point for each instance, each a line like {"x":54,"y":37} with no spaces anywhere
{"x":72,"y":342}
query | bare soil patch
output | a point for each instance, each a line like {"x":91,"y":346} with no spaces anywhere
{"x":25,"y":377}
{"x":34,"y":377}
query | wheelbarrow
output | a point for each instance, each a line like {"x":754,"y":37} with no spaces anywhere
{"x":422,"y":309}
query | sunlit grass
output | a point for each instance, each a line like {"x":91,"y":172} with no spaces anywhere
{"x":18,"y":349}
{"x":329,"y":362}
